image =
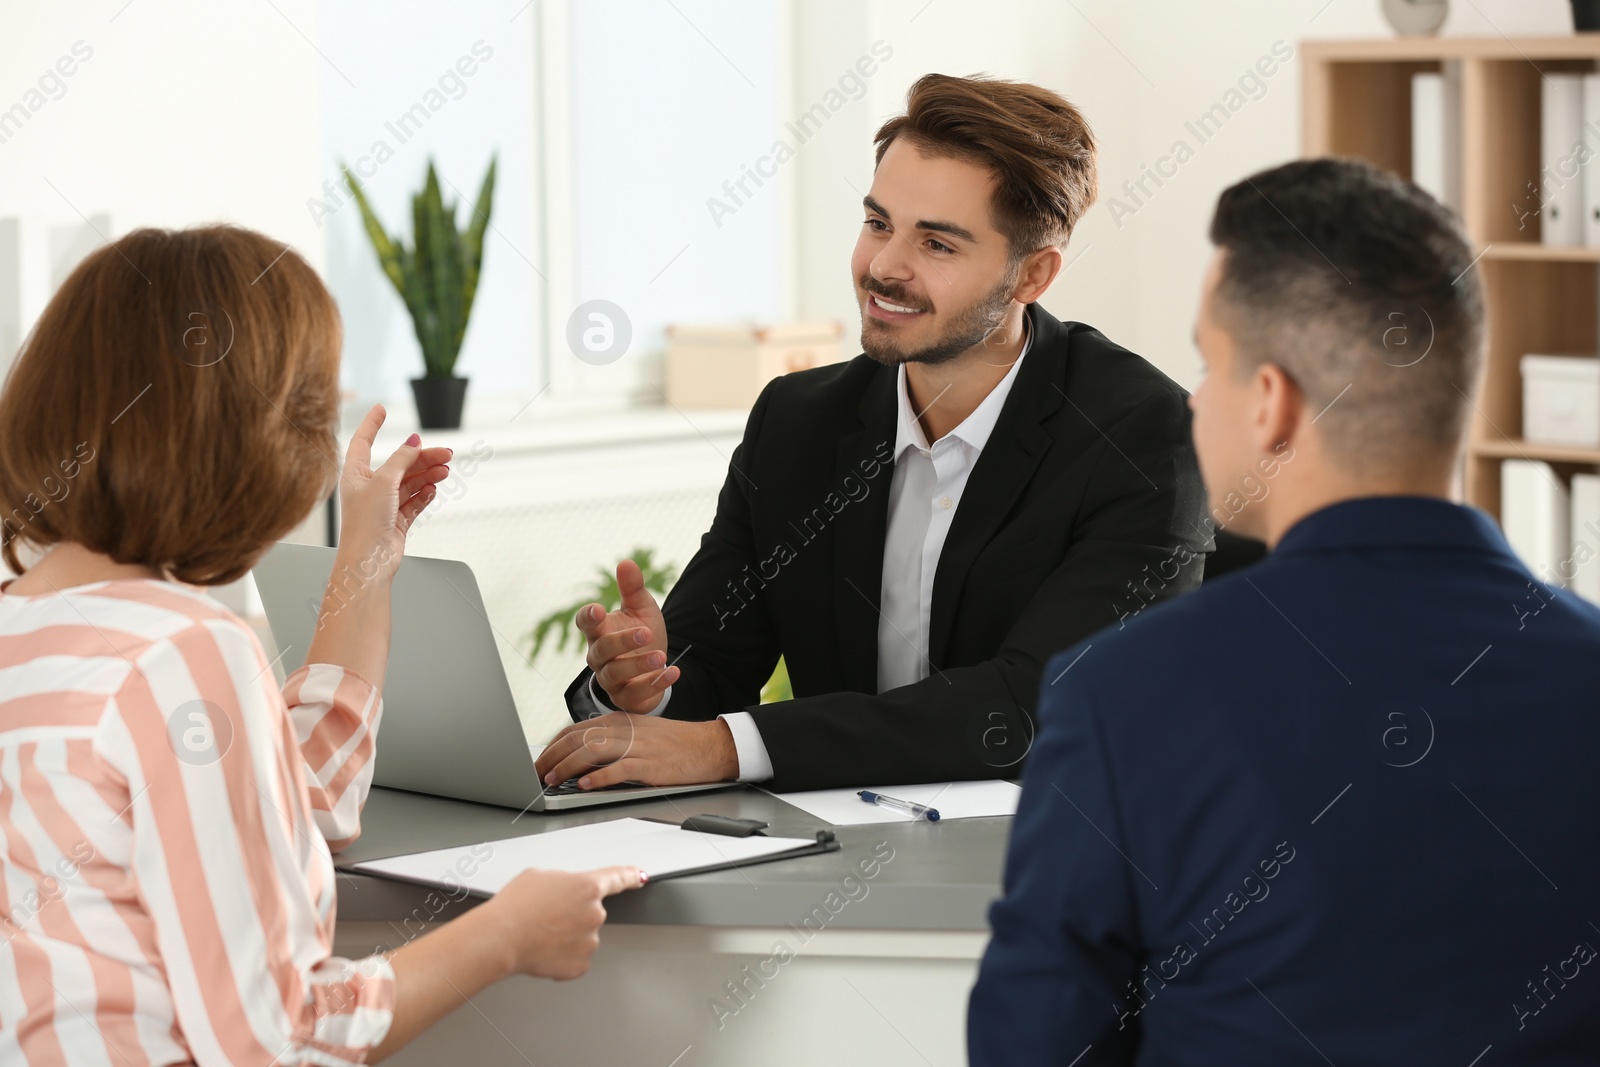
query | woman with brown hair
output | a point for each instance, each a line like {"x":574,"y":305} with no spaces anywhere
{"x":166,"y":813}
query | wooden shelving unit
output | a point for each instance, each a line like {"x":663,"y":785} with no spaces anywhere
{"x":1356,"y":101}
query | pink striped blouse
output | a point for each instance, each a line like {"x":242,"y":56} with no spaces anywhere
{"x":166,"y":816}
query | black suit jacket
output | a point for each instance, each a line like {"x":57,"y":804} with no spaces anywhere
{"x":1085,"y":504}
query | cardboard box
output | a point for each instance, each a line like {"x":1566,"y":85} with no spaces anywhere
{"x":1561,"y":400}
{"x":726,"y":366}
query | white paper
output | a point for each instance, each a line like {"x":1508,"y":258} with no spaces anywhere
{"x":952,"y":800}
{"x":659,"y":848}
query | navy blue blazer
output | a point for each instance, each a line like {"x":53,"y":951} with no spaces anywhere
{"x":1338,"y":807}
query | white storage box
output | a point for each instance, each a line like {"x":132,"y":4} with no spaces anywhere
{"x":1561,"y":400}
{"x":712,"y":366}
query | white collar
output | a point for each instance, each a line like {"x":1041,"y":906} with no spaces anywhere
{"x":975,"y":429}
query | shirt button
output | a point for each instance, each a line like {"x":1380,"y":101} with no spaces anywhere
{"x":945,"y":502}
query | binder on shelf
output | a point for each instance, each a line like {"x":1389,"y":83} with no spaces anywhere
{"x":663,"y":850}
{"x":1436,"y":133}
{"x":1585,"y":538}
{"x":1591,"y":166}
{"x":1535,"y":514}
{"x":1561,"y":151}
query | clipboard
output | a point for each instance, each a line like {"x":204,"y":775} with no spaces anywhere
{"x":709,"y":843}
{"x":729,"y":826}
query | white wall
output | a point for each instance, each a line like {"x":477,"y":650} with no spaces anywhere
{"x":183,"y":113}
{"x":1139,"y":72}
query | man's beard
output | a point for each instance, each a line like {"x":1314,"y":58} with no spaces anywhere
{"x":971,"y":326}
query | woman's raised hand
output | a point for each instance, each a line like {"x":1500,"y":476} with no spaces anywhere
{"x":379,"y":505}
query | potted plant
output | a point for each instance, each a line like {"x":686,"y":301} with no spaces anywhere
{"x":437,"y":277}
{"x":604,"y":592}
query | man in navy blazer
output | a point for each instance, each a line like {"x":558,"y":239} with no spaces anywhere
{"x":1337,"y":807}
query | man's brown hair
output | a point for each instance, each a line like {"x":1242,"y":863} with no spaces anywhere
{"x":1037,"y":145}
{"x":175,"y":406}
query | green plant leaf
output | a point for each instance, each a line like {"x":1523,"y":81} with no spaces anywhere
{"x":777,"y":687}
{"x":447,"y":285}
{"x":472,"y":246}
{"x":423,"y":319}
{"x":422,"y":231}
{"x":388,"y":250}
{"x":658,"y":578}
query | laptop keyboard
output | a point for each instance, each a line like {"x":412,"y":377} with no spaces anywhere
{"x":570,"y":786}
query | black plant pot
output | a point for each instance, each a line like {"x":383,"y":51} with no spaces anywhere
{"x":1586,"y":15}
{"x":439,"y":402}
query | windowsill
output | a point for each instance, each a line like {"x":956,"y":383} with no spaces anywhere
{"x":545,"y":424}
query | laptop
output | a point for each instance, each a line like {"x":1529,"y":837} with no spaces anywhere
{"x":450,"y":726}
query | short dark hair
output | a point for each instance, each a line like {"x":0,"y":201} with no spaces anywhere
{"x":176,"y":405}
{"x":1038,"y":146}
{"x":1360,"y":286}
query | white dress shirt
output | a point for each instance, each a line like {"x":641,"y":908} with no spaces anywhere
{"x":923,"y":497}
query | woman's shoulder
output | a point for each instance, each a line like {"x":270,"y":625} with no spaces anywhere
{"x":138,"y":619}
{"x":181,"y":615}
{"x":173,"y":597}
{"x":127,"y":612}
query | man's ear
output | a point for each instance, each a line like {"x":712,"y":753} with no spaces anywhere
{"x":1279,"y":408}
{"x":1039,"y":269}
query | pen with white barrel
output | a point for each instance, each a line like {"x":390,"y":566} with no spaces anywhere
{"x":916,"y":811}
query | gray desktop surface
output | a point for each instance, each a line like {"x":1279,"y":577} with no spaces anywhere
{"x":942,"y":876}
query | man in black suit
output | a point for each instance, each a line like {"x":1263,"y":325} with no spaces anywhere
{"x":918,"y":530}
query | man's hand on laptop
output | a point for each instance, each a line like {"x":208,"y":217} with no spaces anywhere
{"x":628,"y":647}
{"x":619,"y":747}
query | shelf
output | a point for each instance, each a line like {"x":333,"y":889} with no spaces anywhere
{"x":1501,"y":448}
{"x":1424,"y":49}
{"x":1541,"y":253}
{"x":1356,"y":100}
{"x":549,"y":427}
